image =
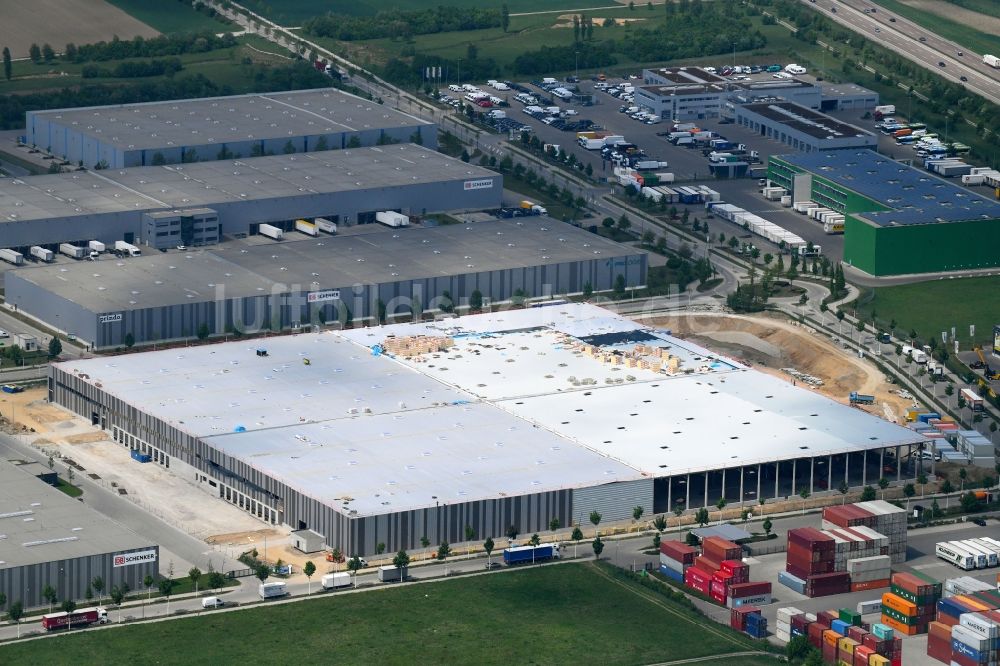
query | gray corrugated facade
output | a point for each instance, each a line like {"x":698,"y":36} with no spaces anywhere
{"x":70,"y":578}
{"x":445,"y":522}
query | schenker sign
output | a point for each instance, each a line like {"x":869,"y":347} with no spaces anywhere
{"x":128,"y":559}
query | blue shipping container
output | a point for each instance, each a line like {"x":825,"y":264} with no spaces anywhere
{"x":951,"y":608}
{"x":670,"y":573}
{"x":840,"y":627}
{"x":882,"y":632}
{"x":141,"y":457}
{"x":963,"y":649}
{"x":522,"y":554}
{"x":792,"y":582}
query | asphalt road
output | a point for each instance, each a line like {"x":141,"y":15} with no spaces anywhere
{"x":903,"y":37}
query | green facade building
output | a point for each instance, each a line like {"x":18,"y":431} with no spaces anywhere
{"x":899,"y":220}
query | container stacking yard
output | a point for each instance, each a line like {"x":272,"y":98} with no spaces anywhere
{"x":389,"y":434}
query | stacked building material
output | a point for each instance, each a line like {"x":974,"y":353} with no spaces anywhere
{"x":869,"y":573}
{"x":675,"y":558}
{"x":883,"y":517}
{"x":911,"y":604}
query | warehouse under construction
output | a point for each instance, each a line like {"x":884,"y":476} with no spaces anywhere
{"x":393,"y":433}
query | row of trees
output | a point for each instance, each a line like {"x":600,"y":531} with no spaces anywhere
{"x":134,"y":69}
{"x":296,"y":76}
{"x":139,"y":47}
{"x":397,"y":24}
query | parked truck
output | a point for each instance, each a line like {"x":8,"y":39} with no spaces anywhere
{"x":334,"y":580}
{"x":325,"y":225}
{"x":649,"y":165}
{"x":991,"y":60}
{"x":12,"y":256}
{"x":533,"y":207}
{"x":392,"y":574}
{"x":96,"y":246}
{"x":884,"y":111}
{"x":391,"y":218}
{"x":272,"y":590}
{"x":861,"y":398}
{"x":127,"y":248}
{"x":41,"y":253}
{"x":590,"y":144}
{"x":306,"y":227}
{"x":78,"y":618}
{"x":972,"y":399}
{"x":271,"y":231}
{"x":522,"y":554}
{"x":73,"y":251}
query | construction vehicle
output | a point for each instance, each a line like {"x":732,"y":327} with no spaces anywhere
{"x":861,"y":398}
{"x":988,"y":372}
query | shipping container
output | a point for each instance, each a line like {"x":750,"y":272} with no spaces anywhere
{"x":271,"y":231}
{"x":325,"y":225}
{"x":12,"y":257}
{"x":306,"y":227}
{"x":73,"y":251}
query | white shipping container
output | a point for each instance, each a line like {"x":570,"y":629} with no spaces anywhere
{"x":335,"y":580}
{"x":271,"y":231}
{"x":41,"y":253}
{"x":980,"y":624}
{"x":306,"y":227}
{"x":391,"y":218}
{"x":97,"y":246}
{"x":326,"y":226}
{"x":12,"y":257}
{"x":73,"y":251}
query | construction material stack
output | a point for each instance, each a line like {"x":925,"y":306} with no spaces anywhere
{"x":883,"y":517}
{"x":675,"y":558}
{"x":748,"y":620}
{"x":911,"y":604}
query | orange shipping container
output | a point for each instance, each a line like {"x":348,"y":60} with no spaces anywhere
{"x":870,"y":585}
{"x":899,"y":626}
{"x":830,"y":637}
{"x":899,"y":604}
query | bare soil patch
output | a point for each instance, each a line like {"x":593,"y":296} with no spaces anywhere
{"x":769,"y":344}
{"x":58,"y":22}
{"x":975,"y":20}
{"x":566,"y":21}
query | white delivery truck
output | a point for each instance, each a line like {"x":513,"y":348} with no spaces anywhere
{"x":42,"y":254}
{"x":306,"y":227}
{"x":96,"y":246}
{"x":73,"y":251}
{"x":127,"y":248}
{"x":271,"y":231}
{"x":391,"y":218}
{"x":391,"y":574}
{"x":334,"y":580}
{"x":272,"y":590}
{"x":325,"y":225}
{"x":12,"y":256}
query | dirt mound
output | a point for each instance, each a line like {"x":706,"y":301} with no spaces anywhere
{"x":249,"y":538}
{"x":86,"y":438}
{"x":771,"y":344}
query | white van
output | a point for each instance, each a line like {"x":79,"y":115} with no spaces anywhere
{"x":212,"y":602}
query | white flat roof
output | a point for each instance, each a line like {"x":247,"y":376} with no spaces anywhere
{"x":513,"y":407}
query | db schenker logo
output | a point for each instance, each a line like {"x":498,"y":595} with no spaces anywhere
{"x":128,"y":559}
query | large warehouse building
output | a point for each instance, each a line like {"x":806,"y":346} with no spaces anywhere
{"x":47,"y":538}
{"x":801,"y":128}
{"x":391,"y":434}
{"x":219,"y":128}
{"x":247,"y":286}
{"x":346,"y":187}
{"x":898,"y":220}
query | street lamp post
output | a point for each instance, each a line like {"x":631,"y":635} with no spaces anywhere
{"x":577,"y":69}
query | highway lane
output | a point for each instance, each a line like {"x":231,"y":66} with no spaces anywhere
{"x":903,"y":37}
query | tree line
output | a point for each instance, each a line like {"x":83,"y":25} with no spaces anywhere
{"x":296,"y":76}
{"x":139,"y":47}
{"x":134,"y":69}
{"x":396,"y":24}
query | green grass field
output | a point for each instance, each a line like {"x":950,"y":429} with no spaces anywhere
{"x":169,"y":16}
{"x":932,"y":307}
{"x":989,"y":7}
{"x":970,"y":38}
{"x":69,"y":488}
{"x":563,"y":614}
{"x":294,"y":12}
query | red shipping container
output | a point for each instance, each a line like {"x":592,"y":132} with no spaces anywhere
{"x":717,"y":598}
{"x":939,"y":641}
{"x":816,"y":634}
{"x":857,"y":633}
{"x":826,"y":618}
{"x":677,"y":550}
{"x":706,"y":563}
{"x":829,"y":653}
{"x":720,"y":549}
{"x":718,"y":588}
{"x":723,"y":576}
{"x":743,"y":590}
{"x":962,"y":659}
{"x":861,"y":654}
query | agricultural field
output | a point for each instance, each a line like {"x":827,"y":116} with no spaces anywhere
{"x":559,"y":614}
{"x":937,"y":305}
{"x":52,"y":22}
{"x":294,"y":12}
{"x":169,"y":16}
{"x":950,"y":23}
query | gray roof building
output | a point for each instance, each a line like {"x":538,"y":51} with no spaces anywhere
{"x":217,"y":127}
{"x":801,"y":128}
{"x":48,"y":538}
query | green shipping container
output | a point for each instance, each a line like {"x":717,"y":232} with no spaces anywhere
{"x":925,"y":600}
{"x":850,"y":617}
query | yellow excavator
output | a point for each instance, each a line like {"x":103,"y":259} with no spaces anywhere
{"x":988,"y":372}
